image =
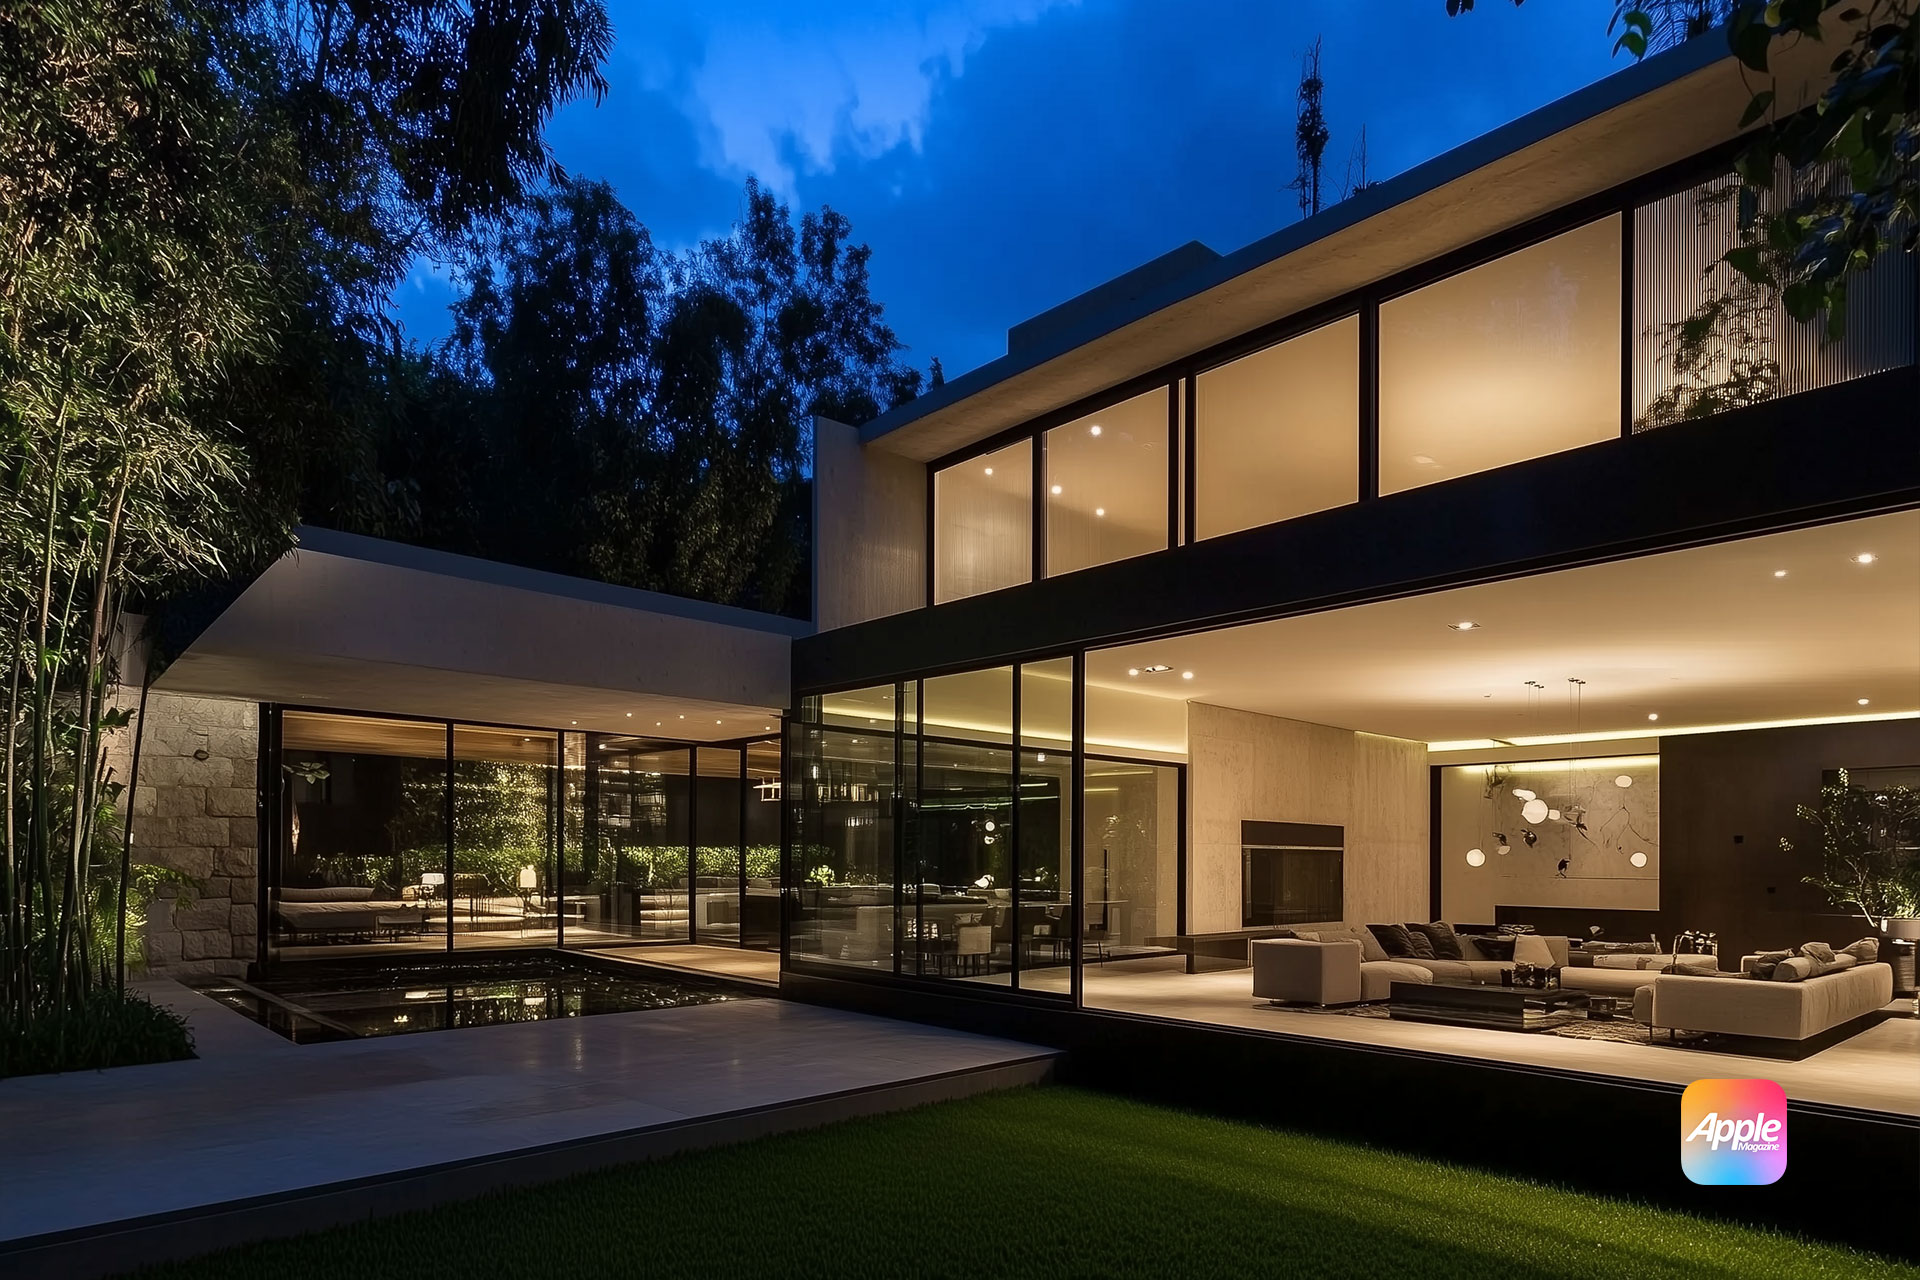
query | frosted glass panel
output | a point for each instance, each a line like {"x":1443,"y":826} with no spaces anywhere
{"x":1508,"y":361}
{"x":1107,"y":484}
{"x":983,"y":523}
{"x":1277,"y":433}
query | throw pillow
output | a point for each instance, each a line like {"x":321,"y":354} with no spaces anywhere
{"x":1763,"y":964}
{"x":1531,"y":948}
{"x":1441,"y":937}
{"x":1422,"y":945}
{"x":1793,"y":969}
{"x":1866,"y":951}
{"x":1370,"y":949}
{"x":1394,"y":939}
{"x":1491,"y":946}
{"x":1818,"y":951}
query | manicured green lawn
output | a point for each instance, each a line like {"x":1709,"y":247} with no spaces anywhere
{"x":1047,"y":1182}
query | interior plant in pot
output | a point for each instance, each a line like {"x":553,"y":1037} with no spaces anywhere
{"x":1869,"y":852}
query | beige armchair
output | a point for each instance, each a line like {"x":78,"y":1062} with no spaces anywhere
{"x":1295,"y":971}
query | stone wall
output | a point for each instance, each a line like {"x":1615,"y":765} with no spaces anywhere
{"x":194,"y":811}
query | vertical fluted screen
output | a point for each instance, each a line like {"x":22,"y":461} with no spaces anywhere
{"x":1706,"y":340}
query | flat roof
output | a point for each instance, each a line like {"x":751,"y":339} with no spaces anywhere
{"x":1636,"y":121}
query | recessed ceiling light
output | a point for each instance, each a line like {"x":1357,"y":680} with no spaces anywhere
{"x":1099,"y":511}
{"x":629,"y":715}
{"x":573,"y":722}
{"x":1463,"y":625}
{"x":1779,"y":573}
{"x":1862,"y":701}
{"x":1155,"y":668}
{"x":1094,"y":430}
{"x":1653,"y":715}
{"x":1186,"y":675}
{"x":683,"y":717}
{"x":1133,"y":671}
{"x":989,"y":470}
{"x":1865,"y":557}
{"x":1056,"y":489}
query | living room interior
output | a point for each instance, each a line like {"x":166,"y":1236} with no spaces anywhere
{"x":1610,"y":758}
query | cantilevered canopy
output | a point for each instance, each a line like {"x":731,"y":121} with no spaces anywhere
{"x":353,"y":622}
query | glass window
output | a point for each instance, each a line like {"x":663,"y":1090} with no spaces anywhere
{"x":1754,"y":350}
{"x":505,"y":840}
{"x":1277,"y":433}
{"x":760,"y":902}
{"x":1107,"y":484}
{"x":1132,"y":866}
{"x":363,"y":853}
{"x":955,"y":918}
{"x":843,"y":808}
{"x":976,"y":705}
{"x":1507,"y":361}
{"x":634,"y":860}
{"x":717,"y":823}
{"x":870,"y":708}
{"x":983,"y":523}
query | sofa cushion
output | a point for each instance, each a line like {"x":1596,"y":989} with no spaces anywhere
{"x":1394,"y":939}
{"x":1841,"y":961}
{"x":1377,"y":977}
{"x":1466,"y":972}
{"x":1865,"y":951}
{"x":1439,"y":936}
{"x":1486,"y":946}
{"x":1794,"y":969}
{"x":1762,"y":965}
{"x":1531,"y":948}
{"x":1370,"y":948}
{"x":1819,"y":951}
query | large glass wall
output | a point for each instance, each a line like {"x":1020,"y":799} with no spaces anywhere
{"x":845,"y":790}
{"x":1106,"y":478}
{"x":983,"y":523}
{"x":505,"y":837}
{"x":719,"y":852}
{"x":936,"y":842}
{"x":760,"y":899}
{"x":1277,"y":433}
{"x":397,"y":834}
{"x":362,"y":849}
{"x":1507,"y":361}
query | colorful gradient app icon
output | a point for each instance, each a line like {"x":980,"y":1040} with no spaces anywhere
{"x":1733,"y":1133}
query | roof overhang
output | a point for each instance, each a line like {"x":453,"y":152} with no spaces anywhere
{"x":1635,"y":122}
{"x":360,"y":623}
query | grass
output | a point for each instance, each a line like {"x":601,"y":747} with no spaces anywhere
{"x":1044,"y":1182}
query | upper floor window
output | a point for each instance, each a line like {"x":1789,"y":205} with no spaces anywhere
{"x":1510,"y":360}
{"x":983,"y":523}
{"x":1107,"y":484}
{"x":1277,"y":433}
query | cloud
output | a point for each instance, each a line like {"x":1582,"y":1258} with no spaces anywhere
{"x":781,"y":91}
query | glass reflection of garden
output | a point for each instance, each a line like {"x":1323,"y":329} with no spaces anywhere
{"x":540,"y":848}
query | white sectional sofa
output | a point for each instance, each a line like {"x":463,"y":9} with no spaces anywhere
{"x":1743,"y":1006}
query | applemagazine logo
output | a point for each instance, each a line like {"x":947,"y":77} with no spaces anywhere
{"x":1733,"y":1132}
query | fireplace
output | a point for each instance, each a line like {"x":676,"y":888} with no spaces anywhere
{"x":1291,"y":873}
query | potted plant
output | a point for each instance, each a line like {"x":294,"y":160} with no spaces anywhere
{"x":1869,"y":853}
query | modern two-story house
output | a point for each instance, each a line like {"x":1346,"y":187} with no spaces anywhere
{"x":1403,"y":567}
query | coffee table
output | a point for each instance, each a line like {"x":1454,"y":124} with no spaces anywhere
{"x":1457,"y":1004}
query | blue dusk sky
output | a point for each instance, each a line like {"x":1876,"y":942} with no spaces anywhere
{"x":1001,"y":156}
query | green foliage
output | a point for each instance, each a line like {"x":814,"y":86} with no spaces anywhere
{"x":202,"y":206}
{"x":1044,"y":1182}
{"x":104,"y":1028}
{"x":1869,"y":849}
{"x":1858,"y":147}
{"x":612,"y":410}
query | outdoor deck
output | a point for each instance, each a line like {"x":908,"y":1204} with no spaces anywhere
{"x":259,"y":1137}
